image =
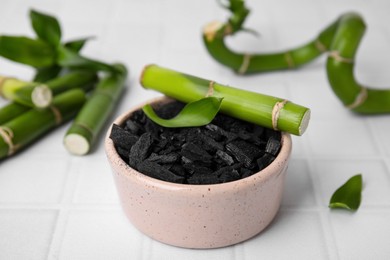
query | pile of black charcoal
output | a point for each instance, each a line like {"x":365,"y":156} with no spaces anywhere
{"x":225,"y":150}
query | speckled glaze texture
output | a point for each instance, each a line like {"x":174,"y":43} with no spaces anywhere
{"x":199,"y":216}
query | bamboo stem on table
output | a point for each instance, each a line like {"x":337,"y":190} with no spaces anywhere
{"x":89,"y":122}
{"x":28,"y":127}
{"x":268,"y":111}
{"x":40,"y":95}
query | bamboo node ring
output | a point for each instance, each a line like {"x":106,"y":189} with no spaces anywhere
{"x":360,"y":98}
{"x":276,"y":112}
{"x":210,"y":91}
{"x":336,"y":55}
{"x":57,"y":114}
{"x":245,"y":64}
{"x":7,"y":135}
{"x":320,"y":46}
{"x":289,"y":60}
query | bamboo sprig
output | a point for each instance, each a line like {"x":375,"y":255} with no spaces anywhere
{"x":268,"y":111}
{"x":339,"y":40}
{"x":340,"y":70}
{"x":89,"y":122}
{"x":34,"y":94}
{"x":215,"y":34}
{"x":28,"y":127}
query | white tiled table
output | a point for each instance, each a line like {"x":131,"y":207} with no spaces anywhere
{"x":57,"y":206}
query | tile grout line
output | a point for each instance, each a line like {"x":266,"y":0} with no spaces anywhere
{"x":378,"y":146}
{"x":327,"y":235}
{"x":63,"y":213}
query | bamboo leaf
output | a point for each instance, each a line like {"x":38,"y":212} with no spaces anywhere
{"x":46,"y":27}
{"x":197,"y":113}
{"x":36,"y":53}
{"x":348,"y":196}
{"x":71,"y":59}
{"x":77,"y":45}
{"x":47,"y":73}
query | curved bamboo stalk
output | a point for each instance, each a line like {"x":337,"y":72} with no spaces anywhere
{"x":340,"y":40}
{"x":264,"y":110}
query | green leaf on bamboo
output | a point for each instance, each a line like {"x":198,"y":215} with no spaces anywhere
{"x":46,"y":27}
{"x":77,"y":45}
{"x":71,"y":59}
{"x":348,"y":196}
{"x":197,"y":113}
{"x":33,"y":52}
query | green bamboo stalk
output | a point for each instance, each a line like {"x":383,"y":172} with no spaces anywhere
{"x":89,"y":122}
{"x":215,"y":34}
{"x":28,"y":127}
{"x":34,"y":94}
{"x":340,"y":70}
{"x":264,"y":110}
{"x":11,"y":111}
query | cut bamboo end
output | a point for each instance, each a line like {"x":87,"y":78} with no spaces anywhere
{"x":41,"y":96}
{"x":76,"y":144}
{"x":304,"y":122}
{"x":211,"y":29}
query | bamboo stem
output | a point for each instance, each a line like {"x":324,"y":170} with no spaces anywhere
{"x":28,"y":127}
{"x":214,"y":35}
{"x":340,"y":39}
{"x":11,"y":111}
{"x":264,"y":110}
{"x":89,"y":122}
{"x":340,"y":70}
{"x":40,"y":95}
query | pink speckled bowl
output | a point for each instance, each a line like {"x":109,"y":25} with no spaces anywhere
{"x":199,"y":216}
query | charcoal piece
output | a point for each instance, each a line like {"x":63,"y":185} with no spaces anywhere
{"x":139,"y":117}
{"x":123,"y":153}
{"x":243,"y":151}
{"x":192,"y":135}
{"x":245,"y":172}
{"x":152,"y":128}
{"x":270,"y":133}
{"x":209,"y":144}
{"x":122,"y":138}
{"x":168,"y":150}
{"x":185,"y":160}
{"x":258,"y":130}
{"x":154,"y":170}
{"x":244,"y":135}
{"x":139,"y":151}
{"x":229,"y":176}
{"x":194,"y":168}
{"x":273,"y":146}
{"x":164,"y":158}
{"x":133,"y":127}
{"x":178,"y":169}
{"x":213,"y":134}
{"x":178,"y":139}
{"x":195,"y":153}
{"x":265,"y":160}
{"x":169,"y":110}
{"x":229,"y":136}
{"x":160,"y":145}
{"x":203,"y":179}
{"x":227,"y":159}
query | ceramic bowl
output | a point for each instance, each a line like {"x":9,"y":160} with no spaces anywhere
{"x":199,"y":216}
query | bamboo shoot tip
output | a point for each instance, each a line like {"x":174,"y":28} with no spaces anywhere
{"x":76,"y":144}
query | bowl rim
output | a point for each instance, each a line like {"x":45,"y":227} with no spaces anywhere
{"x":122,"y":167}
